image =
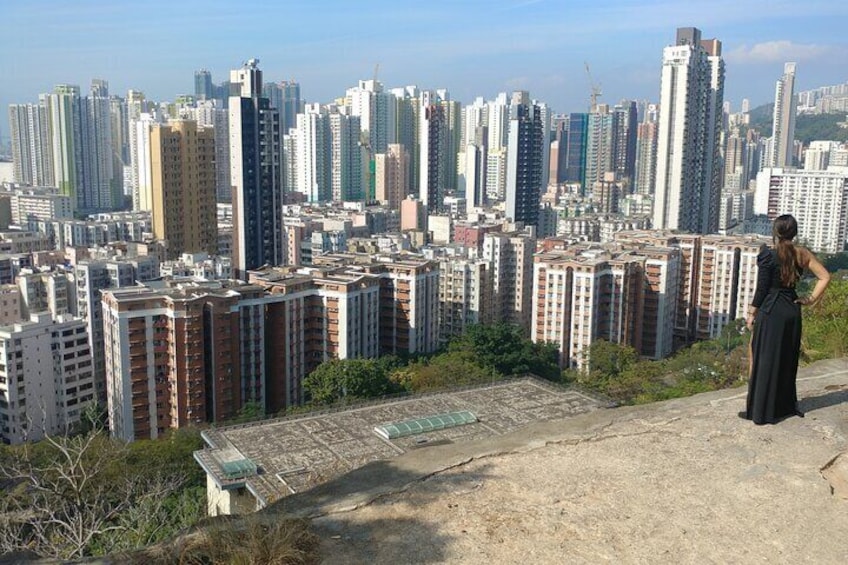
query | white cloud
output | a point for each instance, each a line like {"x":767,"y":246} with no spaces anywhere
{"x":777,"y":52}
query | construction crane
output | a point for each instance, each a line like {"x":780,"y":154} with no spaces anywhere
{"x":596,"y":89}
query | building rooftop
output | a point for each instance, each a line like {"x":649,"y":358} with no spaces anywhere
{"x":296,"y":453}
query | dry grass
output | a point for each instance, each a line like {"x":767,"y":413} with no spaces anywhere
{"x":254,"y":540}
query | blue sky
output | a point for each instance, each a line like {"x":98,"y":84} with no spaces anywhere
{"x":470,"y":47}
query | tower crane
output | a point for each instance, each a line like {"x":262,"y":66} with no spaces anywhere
{"x":596,"y":89}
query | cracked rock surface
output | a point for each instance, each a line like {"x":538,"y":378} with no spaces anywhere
{"x":684,"y":481}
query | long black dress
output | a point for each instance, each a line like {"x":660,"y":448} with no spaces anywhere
{"x":776,"y":345}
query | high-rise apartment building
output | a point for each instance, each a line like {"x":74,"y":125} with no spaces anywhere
{"x":203,"y":88}
{"x":210,"y":113}
{"x":376,"y":111}
{"x":31,"y":147}
{"x":817,"y":199}
{"x":346,"y":157}
{"x":93,"y":276}
{"x":406,"y":123}
{"x":575,"y":152}
{"x":511,"y":257}
{"x":783,"y":122}
{"x":409,"y":305}
{"x":623,"y":143}
{"x":580,"y":298}
{"x":391,"y":181}
{"x":312,"y":161}
{"x":102,"y":190}
{"x":646,"y":158}
{"x":65,"y":118}
{"x":255,"y":155}
{"x":716,"y":278}
{"x":183,"y":356}
{"x":598,"y":145}
{"x":183,"y":170}
{"x":432,"y":147}
{"x":466,"y":295}
{"x":688,"y":167}
{"x":525,"y":164}
{"x":46,"y":379}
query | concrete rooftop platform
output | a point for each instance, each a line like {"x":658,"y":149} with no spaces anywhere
{"x":297,"y":453}
{"x":684,"y":481}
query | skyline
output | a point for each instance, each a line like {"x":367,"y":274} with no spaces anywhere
{"x":329,"y":47}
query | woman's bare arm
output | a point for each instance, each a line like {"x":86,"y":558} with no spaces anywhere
{"x":809,"y":261}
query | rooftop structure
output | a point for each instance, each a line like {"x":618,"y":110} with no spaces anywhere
{"x":294,"y":454}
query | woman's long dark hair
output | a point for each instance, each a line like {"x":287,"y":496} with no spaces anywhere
{"x":784,"y":231}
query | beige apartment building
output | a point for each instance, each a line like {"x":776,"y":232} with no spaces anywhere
{"x":183,"y":180}
{"x":585,"y":294}
{"x":391,"y":176}
{"x":717,"y":278}
{"x":511,"y":257}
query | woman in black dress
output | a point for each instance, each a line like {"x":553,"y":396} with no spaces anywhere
{"x":775,"y":318}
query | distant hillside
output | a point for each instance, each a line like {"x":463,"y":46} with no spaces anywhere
{"x":808,"y":127}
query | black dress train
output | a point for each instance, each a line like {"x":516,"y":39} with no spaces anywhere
{"x":776,"y":345}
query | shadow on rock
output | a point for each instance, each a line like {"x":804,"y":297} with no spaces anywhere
{"x":348,"y":537}
{"x":837,"y":396}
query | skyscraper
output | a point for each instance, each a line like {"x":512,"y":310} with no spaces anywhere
{"x":575,"y":152}
{"x":345,"y":157}
{"x":646,"y":158}
{"x":101,"y":188}
{"x":203,"y":89}
{"x":783,"y":123}
{"x":312,"y":175}
{"x":255,"y":154}
{"x":183,"y":166}
{"x":527,"y":143}
{"x":31,"y":148}
{"x":623,"y":143}
{"x":691,"y":97}
{"x":392,"y":181}
{"x":432,"y":143}
{"x":64,"y":114}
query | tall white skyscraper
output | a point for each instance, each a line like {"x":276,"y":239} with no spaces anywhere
{"x":31,"y":147}
{"x":312,"y":176}
{"x":376,"y":111}
{"x":688,"y":158}
{"x":102,"y":190}
{"x":142,"y":179}
{"x":783,"y":123}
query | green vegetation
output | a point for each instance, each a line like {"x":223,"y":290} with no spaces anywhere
{"x":88,"y":494}
{"x":355,"y":379}
{"x":808,"y":127}
{"x":482,"y":354}
{"x":617,"y":371}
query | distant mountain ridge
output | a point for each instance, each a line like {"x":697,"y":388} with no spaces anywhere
{"x":808,"y":127}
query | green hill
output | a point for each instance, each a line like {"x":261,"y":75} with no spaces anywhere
{"x":808,"y":127}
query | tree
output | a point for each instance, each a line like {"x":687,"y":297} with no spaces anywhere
{"x":448,"y":370}
{"x":339,"y":379}
{"x":504,"y":348}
